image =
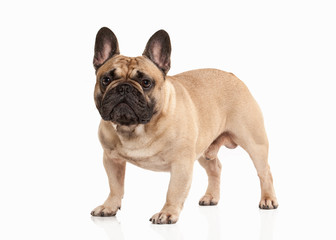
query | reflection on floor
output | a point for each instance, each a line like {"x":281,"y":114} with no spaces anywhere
{"x":113,"y":228}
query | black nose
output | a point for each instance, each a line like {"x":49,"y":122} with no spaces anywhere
{"x":123,"y":89}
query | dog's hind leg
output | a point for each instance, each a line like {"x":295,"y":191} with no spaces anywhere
{"x":213,"y":168}
{"x":249,"y":133}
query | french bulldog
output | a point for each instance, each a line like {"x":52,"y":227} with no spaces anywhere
{"x":165,"y":123}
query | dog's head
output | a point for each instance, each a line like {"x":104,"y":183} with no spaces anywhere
{"x":128,"y":90}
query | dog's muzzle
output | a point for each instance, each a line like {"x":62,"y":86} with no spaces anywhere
{"x":126,"y":105}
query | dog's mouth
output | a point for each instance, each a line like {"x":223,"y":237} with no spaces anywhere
{"x":123,"y":114}
{"x":126,"y":110}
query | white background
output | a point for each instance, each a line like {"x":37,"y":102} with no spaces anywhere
{"x":51,"y":173}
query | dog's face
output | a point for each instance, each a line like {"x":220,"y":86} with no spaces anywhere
{"x":128,"y":90}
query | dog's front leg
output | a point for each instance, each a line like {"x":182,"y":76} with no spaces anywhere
{"x":179,"y":185}
{"x":115,"y":170}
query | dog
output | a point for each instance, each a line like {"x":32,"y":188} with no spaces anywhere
{"x":164,"y":123}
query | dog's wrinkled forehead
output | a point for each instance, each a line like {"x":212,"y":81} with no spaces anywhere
{"x":129,"y":67}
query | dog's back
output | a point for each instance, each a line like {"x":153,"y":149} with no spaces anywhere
{"x":225,"y":100}
{"x":222,"y":87}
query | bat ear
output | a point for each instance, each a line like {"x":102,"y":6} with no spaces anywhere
{"x":158,"y":50}
{"x":106,"y":46}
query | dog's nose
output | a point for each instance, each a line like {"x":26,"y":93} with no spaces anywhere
{"x":124,"y":89}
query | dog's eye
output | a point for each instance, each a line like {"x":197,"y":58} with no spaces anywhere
{"x":106,"y":81}
{"x":146,"y":83}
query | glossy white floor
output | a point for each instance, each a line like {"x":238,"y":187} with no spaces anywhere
{"x":55,"y":203}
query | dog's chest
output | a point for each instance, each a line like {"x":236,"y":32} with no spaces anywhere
{"x":153,"y":157}
{"x":154,"y":163}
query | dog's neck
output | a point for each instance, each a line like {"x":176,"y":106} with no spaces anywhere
{"x":127,"y":132}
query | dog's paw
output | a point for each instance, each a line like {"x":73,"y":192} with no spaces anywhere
{"x":208,"y":200}
{"x":105,"y":211}
{"x":165,"y":217}
{"x":268,"y":203}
